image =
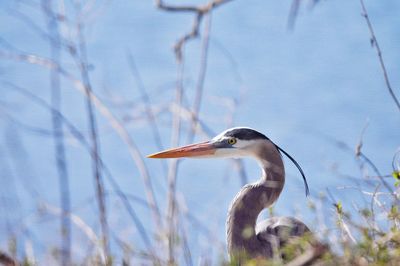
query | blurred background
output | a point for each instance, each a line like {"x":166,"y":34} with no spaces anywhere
{"x":89,"y":88}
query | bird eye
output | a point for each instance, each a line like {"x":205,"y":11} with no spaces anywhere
{"x":231,"y":141}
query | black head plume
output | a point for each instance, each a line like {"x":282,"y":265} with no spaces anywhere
{"x":298,"y":167}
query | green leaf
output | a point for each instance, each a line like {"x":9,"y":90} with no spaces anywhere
{"x":339,"y":207}
{"x":396,"y":175}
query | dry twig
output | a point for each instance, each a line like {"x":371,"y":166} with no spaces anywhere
{"x":58,"y":134}
{"x":80,"y":137}
{"x":115,"y":123}
{"x":199,"y":12}
{"x":82,"y":63}
{"x":375,"y":44}
{"x":201,"y":78}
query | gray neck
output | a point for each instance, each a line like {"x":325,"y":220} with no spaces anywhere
{"x":251,"y":200}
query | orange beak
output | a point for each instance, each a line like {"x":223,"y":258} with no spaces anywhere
{"x":192,"y":150}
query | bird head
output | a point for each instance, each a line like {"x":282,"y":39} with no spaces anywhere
{"x":232,"y":143}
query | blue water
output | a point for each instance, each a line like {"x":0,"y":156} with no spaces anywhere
{"x":302,"y":88}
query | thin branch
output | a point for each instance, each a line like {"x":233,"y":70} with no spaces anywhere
{"x":146,"y":100}
{"x":113,"y":120}
{"x":194,"y":9}
{"x":61,"y":160}
{"x":172,"y":173}
{"x":201,"y":78}
{"x":373,"y":220}
{"x":82,"y":62}
{"x":377,"y":172}
{"x":360,"y":154}
{"x":186,"y":248}
{"x":293,"y":13}
{"x":188,"y":36}
{"x":160,"y":4}
{"x":41,"y":33}
{"x":310,"y":255}
{"x":82,"y":140}
{"x":375,"y":43}
{"x":199,"y":12}
{"x":80,"y":223}
{"x":128,"y":251}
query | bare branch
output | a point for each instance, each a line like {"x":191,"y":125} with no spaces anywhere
{"x":82,"y":63}
{"x":146,"y":99}
{"x":194,"y":9}
{"x":113,"y":120}
{"x":173,"y":168}
{"x":81,"y":139}
{"x":310,"y":255}
{"x":80,"y":223}
{"x":58,"y":135}
{"x":199,"y":12}
{"x":201,"y":78}
{"x":294,"y":10}
{"x":375,"y":44}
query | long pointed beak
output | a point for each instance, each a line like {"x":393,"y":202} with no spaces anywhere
{"x":193,"y":150}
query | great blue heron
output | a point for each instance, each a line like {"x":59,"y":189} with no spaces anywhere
{"x":244,"y":237}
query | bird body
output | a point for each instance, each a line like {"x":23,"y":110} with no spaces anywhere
{"x":245,"y":238}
